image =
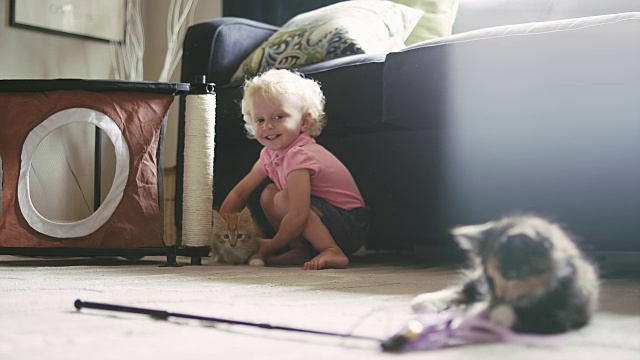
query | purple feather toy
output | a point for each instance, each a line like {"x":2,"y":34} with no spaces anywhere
{"x":431,"y":331}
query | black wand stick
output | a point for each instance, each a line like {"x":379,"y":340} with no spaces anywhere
{"x":165,"y":315}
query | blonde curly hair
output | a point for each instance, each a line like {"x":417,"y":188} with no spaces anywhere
{"x":277,"y":83}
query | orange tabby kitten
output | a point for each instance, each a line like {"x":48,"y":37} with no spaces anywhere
{"x":234,"y":238}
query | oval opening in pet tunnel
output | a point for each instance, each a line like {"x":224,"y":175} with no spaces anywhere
{"x":56,"y":182}
{"x":63,"y":170}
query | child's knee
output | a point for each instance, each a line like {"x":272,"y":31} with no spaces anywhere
{"x":266,"y":198}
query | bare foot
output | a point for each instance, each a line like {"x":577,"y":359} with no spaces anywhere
{"x":329,"y":258}
{"x":295,"y":256}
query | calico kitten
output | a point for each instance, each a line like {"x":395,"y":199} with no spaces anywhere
{"x":527,"y":272}
{"x":234,"y":238}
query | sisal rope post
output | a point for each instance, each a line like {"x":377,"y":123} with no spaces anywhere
{"x":199,"y":143}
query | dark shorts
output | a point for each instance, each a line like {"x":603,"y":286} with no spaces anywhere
{"x":348,"y":228}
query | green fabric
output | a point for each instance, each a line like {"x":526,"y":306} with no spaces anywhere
{"x":437,"y":20}
{"x":334,"y":31}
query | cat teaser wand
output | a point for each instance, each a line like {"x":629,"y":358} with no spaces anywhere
{"x":165,"y":315}
{"x":429,"y":331}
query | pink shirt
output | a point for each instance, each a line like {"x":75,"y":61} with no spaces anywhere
{"x":330,"y":179}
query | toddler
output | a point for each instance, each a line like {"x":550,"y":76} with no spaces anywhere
{"x":313,"y":203}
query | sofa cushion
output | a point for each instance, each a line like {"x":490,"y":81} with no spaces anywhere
{"x":334,"y":31}
{"x":437,"y":19}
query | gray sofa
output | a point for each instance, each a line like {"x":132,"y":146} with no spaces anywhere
{"x":530,"y":106}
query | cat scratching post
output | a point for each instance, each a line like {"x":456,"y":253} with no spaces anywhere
{"x":197,"y":203}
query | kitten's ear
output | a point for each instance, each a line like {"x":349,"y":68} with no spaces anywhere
{"x":245,"y":215}
{"x":217,"y":218}
{"x":469,"y":236}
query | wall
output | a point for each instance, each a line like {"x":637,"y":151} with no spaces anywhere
{"x":33,"y":54}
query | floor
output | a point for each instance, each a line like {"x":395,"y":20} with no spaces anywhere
{"x":369,"y":299}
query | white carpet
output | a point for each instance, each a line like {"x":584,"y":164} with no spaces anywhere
{"x":39,"y":320}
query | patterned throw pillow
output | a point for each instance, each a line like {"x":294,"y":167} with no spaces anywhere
{"x":437,"y":20}
{"x":338,"y":30}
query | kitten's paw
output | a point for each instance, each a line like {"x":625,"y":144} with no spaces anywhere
{"x":503,"y":315}
{"x":256,"y":262}
{"x":434,"y":301}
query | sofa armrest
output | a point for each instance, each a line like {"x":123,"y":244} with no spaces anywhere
{"x":217,"y":47}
